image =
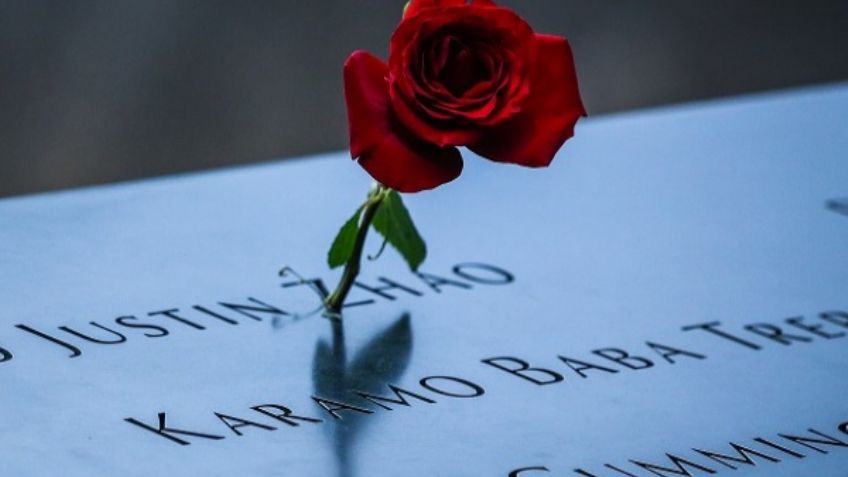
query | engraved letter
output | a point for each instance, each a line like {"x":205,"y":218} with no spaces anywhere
{"x":283,"y":414}
{"x":678,"y":462}
{"x":166,"y":432}
{"x":5,"y":355}
{"x":74,"y":350}
{"x":235,"y":422}
{"x":118,"y":340}
{"x":389,"y":285}
{"x":809,"y":441}
{"x":712,"y":327}
{"x":775,"y":333}
{"x":743,"y":452}
{"x":434,"y":282}
{"x":667,"y":352}
{"x":538,"y":376}
{"x":582,"y":366}
{"x":527,"y":470}
{"x":623,"y":358}
{"x":501,"y":276}
{"x":333,"y":407}
{"x":399,"y":394}
{"x":122,"y":320}
{"x":476,"y":390}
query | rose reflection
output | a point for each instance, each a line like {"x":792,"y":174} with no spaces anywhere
{"x":382,"y":360}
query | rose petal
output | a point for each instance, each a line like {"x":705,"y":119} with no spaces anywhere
{"x":365,"y":92}
{"x":407,"y":168}
{"x":390,"y":154}
{"x":547,"y":120}
{"x":431,"y":110}
{"x":416,"y":6}
{"x":453,"y":135}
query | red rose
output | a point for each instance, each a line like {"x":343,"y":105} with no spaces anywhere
{"x":459,"y":74}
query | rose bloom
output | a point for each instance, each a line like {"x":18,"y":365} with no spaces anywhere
{"x":459,"y":74}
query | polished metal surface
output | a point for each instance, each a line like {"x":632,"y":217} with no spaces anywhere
{"x":647,"y":223}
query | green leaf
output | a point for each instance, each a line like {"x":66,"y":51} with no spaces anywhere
{"x":342,"y":247}
{"x":393,"y":222}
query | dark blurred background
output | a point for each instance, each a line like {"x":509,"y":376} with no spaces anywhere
{"x":99,"y":91}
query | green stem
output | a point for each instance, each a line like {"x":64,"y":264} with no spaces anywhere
{"x":334,"y":302}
